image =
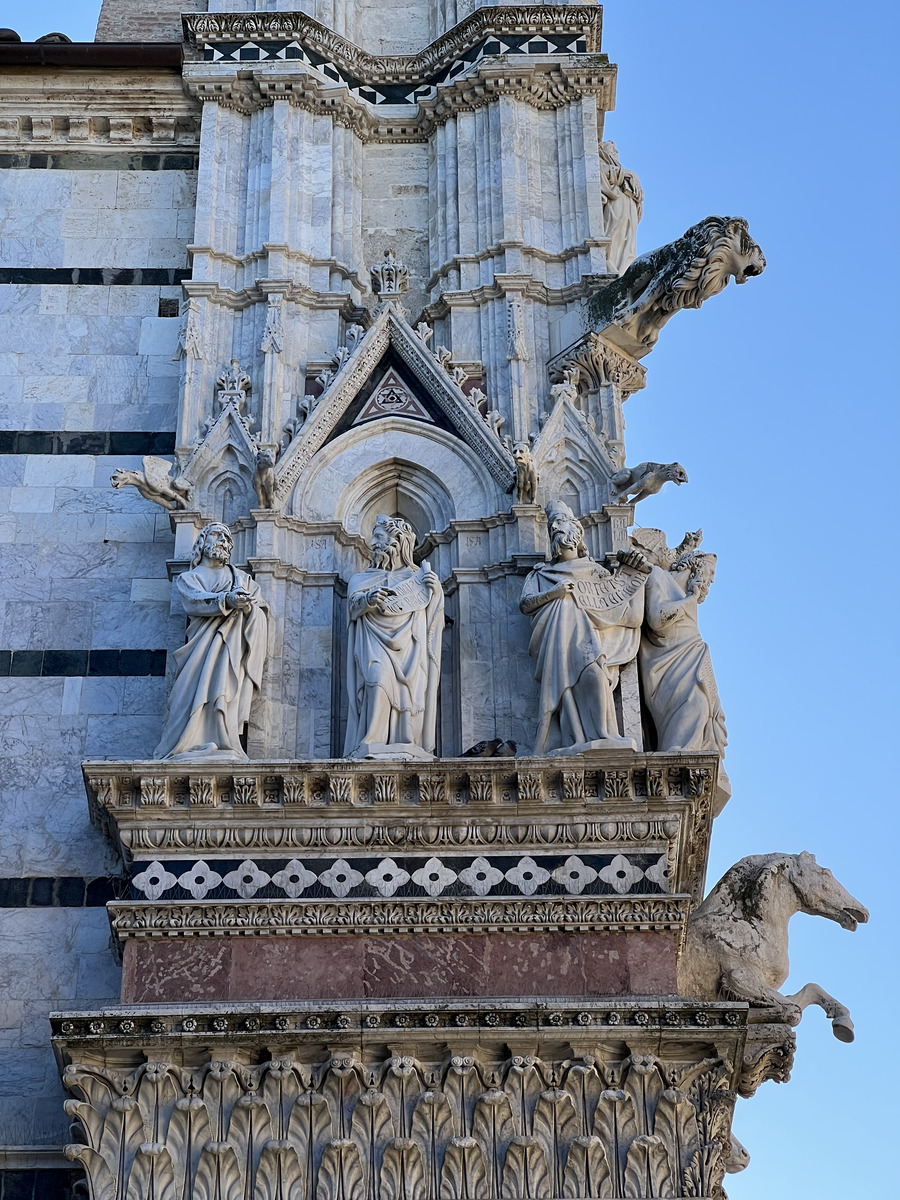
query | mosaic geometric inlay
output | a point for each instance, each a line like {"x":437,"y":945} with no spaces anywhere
{"x":389,"y":93}
{"x":404,"y":876}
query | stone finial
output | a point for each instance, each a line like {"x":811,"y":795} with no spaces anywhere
{"x":390,"y":278}
{"x":233,"y":386}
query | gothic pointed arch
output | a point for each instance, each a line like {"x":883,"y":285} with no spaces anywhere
{"x":379,"y":467}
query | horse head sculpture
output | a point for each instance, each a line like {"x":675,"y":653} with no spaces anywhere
{"x":737,"y":940}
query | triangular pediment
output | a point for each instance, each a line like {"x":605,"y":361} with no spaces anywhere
{"x":421,"y":374}
{"x":391,"y":398}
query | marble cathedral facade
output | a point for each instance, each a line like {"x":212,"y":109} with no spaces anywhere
{"x":318,"y":319}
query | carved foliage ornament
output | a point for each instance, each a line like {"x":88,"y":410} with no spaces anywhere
{"x":614,"y":914}
{"x":397,"y":1126}
{"x":583,"y":21}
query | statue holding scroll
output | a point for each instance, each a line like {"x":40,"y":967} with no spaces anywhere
{"x":220,"y":665}
{"x":586,"y":624}
{"x":394,"y":651}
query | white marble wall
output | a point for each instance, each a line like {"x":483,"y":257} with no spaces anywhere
{"x":83,"y":567}
{"x":97,"y":218}
{"x":52,"y":959}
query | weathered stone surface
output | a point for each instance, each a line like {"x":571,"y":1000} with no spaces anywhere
{"x":644,"y":807}
{"x":128,"y":21}
{"x":562,"y":1100}
{"x":167,"y":971}
{"x":737,"y":944}
{"x":355,"y":165}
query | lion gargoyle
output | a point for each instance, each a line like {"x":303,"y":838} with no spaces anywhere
{"x":680,"y":275}
{"x":632,"y":484}
{"x":155,"y":482}
{"x":737,"y":940}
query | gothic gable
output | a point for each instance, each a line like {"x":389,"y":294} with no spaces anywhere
{"x":459,"y":413}
{"x":572,"y":460}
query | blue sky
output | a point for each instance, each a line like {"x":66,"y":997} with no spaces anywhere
{"x":779,"y":398}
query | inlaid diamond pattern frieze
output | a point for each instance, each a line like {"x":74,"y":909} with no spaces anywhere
{"x":403,"y":877}
{"x":393,"y":93}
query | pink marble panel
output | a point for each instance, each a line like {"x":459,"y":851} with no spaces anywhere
{"x":176,"y":970}
{"x":409,"y":965}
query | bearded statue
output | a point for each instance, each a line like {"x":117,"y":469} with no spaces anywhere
{"x":585,"y":626}
{"x":394,"y":651}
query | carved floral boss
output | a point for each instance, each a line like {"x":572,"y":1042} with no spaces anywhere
{"x":549,"y":875}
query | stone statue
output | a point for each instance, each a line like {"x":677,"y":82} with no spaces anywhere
{"x":677,"y":679}
{"x":220,"y":665}
{"x":155,"y":482}
{"x":679,"y":275}
{"x":526,"y":475}
{"x":623,"y":202}
{"x":264,"y":478}
{"x":394,"y":650}
{"x":737,"y":940}
{"x":585,"y":625}
{"x":644,"y":480}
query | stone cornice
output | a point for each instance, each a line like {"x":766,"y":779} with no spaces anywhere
{"x":127,"y":1037}
{"x":587,"y":1023}
{"x":212,"y":29}
{"x":609,"y":914}
{"x":504,"y":283}
{"x":534,"y":289}
{"x":239,"y":299}
{"x":554,"y":1099}
{"x":540,"y":83}
{"x":87,"y":111}
{"x":622,"y":802}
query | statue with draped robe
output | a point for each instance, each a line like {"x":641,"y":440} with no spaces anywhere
{"x":219,"y":667}
{"x":623,"y":202}
{"x":394,"y":650}
{"x":586,"y":625}
{"x":677,"y":680}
